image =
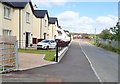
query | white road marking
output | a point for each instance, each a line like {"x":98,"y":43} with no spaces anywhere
{"x":90,"y":64}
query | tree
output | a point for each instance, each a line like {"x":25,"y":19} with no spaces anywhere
{"x":105,"y":34}
{"x":116,"y":31}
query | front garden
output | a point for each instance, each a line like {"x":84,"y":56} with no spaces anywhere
{"x":49,"y":54}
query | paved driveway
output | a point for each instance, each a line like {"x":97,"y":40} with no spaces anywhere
{"x":73,"y":67}
{"x":29,"y":61}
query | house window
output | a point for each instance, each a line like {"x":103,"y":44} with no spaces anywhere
{"x":7,"y":12}
{"x":7,"y":32}
{"x":27,"y":17}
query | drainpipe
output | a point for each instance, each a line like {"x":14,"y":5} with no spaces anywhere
{"x":19,"y":28}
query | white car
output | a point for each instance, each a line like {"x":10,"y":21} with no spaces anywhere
{"x":46,"y":44}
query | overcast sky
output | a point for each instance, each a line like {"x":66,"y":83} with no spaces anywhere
{"x":81,"y":16}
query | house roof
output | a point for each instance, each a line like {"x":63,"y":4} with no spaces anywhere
{"x":52,"y":20}
{"x":66,"y":31}
{"x":16,"y":3}
{"x":41,"y":13}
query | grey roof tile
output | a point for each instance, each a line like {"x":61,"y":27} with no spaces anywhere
{"x":40,"y":13}
{"x":52,"y":20}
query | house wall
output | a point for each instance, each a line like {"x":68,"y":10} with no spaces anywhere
{"x":44,"y":27}
{"x":36,"y":27}
{"x":53,"y":31}
{"x":1,"y":18}
{"x":15,"y":23}
{"x":26,"y":27}
{"x":59,"y":34}
{"x":63,"y":36}
{"x":50,"y":31}
{"x":7,"y":24}
{"x":18,"y":25}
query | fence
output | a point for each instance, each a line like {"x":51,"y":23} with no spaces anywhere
{"x":61,"y":49}
{"x":108,"y":42}
{"x":8,"y":54}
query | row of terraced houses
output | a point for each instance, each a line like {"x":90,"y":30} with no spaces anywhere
{"x":28,"y":25}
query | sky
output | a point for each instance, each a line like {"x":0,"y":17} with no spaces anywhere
{"x":81,"y":17}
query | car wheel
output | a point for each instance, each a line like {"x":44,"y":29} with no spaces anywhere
{"x":47,"y":48}
{"x":55,"y":47}
{"x":37,"y":48}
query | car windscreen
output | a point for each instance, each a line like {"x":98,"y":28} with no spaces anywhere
{"x":52,"y":41}
{"x":45,"y":41}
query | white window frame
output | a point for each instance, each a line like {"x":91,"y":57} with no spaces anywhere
{"x":7,"y":12}
{"x":8,"y":32}
{"x":27,"y":17}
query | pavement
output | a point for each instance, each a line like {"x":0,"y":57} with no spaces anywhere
{"x":74,"y":67}
{"x":105,"y":63}
{"x":29,"y":61}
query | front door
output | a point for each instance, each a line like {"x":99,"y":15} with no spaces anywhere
{"x":45,"y":35}
{"x":27,"y":39}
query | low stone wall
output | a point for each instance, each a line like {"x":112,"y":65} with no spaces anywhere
{"x":8,"y":53}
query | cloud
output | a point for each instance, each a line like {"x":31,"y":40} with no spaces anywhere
{"x":106,"y":21}
{"x":103,"y":22}
{"x":49,"y":3}
{"x":73,"y":21}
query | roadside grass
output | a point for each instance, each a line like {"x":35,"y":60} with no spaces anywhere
{"x":109,"y":48}
{"x":49,"y":54}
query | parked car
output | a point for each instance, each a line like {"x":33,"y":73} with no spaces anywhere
{"x":46,"y":44}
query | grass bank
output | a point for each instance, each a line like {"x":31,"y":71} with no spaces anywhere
{"x":49,"y":54}
{"x":109,"y":48}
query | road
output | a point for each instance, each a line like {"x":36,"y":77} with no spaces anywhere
{"x":74,"y":67}
{"x":104,"y":62}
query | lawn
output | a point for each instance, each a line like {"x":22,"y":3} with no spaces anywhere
{"x":49,"y":54}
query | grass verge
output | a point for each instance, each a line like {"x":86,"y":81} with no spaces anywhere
{"x":109,"y":48}
{"x":49,"y":54}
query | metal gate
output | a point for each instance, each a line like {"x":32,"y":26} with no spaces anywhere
{"x":8,"y":54}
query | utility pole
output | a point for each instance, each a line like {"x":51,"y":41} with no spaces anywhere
{"x":95,"y":36}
